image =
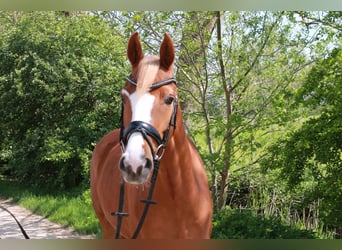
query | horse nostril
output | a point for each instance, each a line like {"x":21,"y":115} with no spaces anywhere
{"x":128,"y":169}
{"x":148,"y":164}
{"x":139,"y":170}
{"x":122,"y":165}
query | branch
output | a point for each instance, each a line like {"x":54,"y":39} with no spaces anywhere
{"x":261,"y":49}
{"x":310,"y":20}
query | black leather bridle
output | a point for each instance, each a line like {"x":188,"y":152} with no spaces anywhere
{"x":147,"y":131}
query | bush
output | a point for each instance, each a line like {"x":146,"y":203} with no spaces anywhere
{"x":60,"y":79}
{"x":244,"y":224}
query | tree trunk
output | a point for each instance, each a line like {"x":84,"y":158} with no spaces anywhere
{"x":192,"y":74}
{"x":224,"y":173}
{"x":196,"y":36}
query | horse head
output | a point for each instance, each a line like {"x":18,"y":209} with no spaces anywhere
{"x":149,"y":107}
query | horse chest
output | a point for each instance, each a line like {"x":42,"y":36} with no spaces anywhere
{"x":169,"y":218}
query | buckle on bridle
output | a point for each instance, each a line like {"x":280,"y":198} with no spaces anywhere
{"x":159,"y":152}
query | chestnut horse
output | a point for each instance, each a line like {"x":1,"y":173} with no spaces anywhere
{"x":126,"y":161}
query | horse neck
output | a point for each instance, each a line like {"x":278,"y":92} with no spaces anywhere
{"x":181,"y":160}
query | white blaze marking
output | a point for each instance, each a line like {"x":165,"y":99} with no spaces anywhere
{"x":141,"y":105}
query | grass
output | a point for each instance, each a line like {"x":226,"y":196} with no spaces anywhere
{"x":72,"y":209}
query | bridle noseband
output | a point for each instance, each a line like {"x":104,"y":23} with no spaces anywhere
{"x":147,"y":131}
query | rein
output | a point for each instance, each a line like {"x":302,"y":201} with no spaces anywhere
{"x":146,"y":130}
{"x":18,"y":223}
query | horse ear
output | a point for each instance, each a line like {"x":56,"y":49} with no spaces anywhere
{"x":134,"y":50}
{"x":167,"y":52}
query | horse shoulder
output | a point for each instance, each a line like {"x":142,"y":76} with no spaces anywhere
{"x":97,"y":168}
{"x":100,"y":154}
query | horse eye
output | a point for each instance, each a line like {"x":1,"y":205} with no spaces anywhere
{"x":169,"y":100}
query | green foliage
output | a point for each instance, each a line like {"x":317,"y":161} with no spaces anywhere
{"x":59,"y":91}
{"x":244,"y":224}
{"x":311,"y":155}
{"x":323,"y":84}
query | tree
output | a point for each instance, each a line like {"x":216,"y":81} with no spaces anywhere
{"x":313,"y":152}
{"x":256,"y":62}
{"x":59,"y":92}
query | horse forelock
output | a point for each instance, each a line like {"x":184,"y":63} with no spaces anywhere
{"x":147,"y":72}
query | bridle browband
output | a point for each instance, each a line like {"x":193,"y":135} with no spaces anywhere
{"x":147,"y":131}
{"x":154,"y":85}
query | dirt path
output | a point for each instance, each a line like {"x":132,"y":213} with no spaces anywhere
{"x":36,"y":227}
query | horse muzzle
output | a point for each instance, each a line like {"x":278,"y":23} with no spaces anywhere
{"x":138,"y":156}
{"x":136,"y":171}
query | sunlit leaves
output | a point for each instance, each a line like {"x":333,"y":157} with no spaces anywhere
{"x":314,"y":150}
{"x":59,"y":83}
